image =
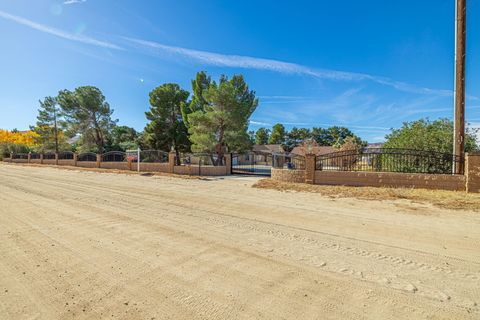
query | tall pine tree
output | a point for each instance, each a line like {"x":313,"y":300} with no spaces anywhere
{"x":223,"y":122}
{"x":166,"y":129}
{"x":47,"y":126}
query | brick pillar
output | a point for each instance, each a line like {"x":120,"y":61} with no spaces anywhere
{"x":41,"y":158}
{"x":75,"y":159}
{"x":129,"y":162}
{"x":310,"y":164}
{"x":472,"y":172}
{"x":29,"y":157}
{"x":99,"y":160}
{"x":228,"y":164}
{"x":171,"y":162}
{"x":56,"y":159}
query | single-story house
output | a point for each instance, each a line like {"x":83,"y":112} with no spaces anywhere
{"x":317,"y":150}
{"x":260,"y":154}
{"x":268,"y":148}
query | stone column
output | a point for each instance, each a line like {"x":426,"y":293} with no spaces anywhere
{"x":29,"y":157}
{"x":56,"y":159}
{"x":41,"y":158}
{"x":310,"y":164}
{"x":99,"y":160}
{"x":75,"y":159}
{"x":171,"y":162}
{"x":472,"y":172}
{"x":228,"y":164}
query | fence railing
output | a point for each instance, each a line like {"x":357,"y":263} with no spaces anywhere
{"x":201,"y":159}
{"x":87,"y":156}
{"x":35,"y":156}
{"x":49,"y":156}
{"x":22,"y":156}
{"x":114,"y":156}
{"x":390,"y":160}
{"x":66,"y":155}
{"x":153,"y":156}
{"x":288,"y":161}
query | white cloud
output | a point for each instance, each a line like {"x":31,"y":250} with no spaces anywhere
{"x":260,"y":123}
{"x":58,"y":33}
{"x":74,"y":1}
{"x":247,"y":62}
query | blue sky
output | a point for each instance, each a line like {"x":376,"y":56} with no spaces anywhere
{"x":369,"y":65}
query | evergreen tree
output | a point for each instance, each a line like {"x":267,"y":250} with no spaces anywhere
{"x":88,"y":114}
{"x":278,"y":134}
{"x":167,"y":130}
{"x":223,"y":122}
{"x":47,"y":126}
{"x":262,"y":135}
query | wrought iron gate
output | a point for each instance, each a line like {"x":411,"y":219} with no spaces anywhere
{"x":252,"y":163}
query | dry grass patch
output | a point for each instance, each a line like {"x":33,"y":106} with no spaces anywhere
{"x":439,"y":198}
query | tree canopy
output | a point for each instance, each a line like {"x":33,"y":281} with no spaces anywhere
{"x":425,"y":134}
{"x":166,"y":129}
{"x":49,"y":136}
{"x":223,"y":122}
{"x":122,"y":138}
{"x":88,"y":114}
{"x":278,"y":134}
{"x":262,"y":136}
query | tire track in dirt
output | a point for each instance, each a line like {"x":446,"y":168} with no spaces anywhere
{"x":139,"y":220}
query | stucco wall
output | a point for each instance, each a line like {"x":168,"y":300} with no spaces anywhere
{"x":296,"y":176}
{"x":115,"y":165}
{"x":66,"y":162}
{"x":472,"y":172}
{"x":151,"y":167}
{"x":203,"y":170}
{"x":405,"y":180}
{"x":86,"y":164}
{"x":49,"y":161}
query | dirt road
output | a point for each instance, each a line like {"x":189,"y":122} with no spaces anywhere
{"x":84,"y":245}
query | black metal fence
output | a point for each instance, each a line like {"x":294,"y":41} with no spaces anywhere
{"x":35,"y":156}
{"x":87,"y":156}
{"x":114,"y":156}
{"x":22,"y":156}
{"x":67,"y":155}
{"x":288,"y":161}
{"x":200,"y":159}
{"x":390,"y":160}
{"x":49,"y":156}
{"x":255,"y":163}
{"x":152,"y":156}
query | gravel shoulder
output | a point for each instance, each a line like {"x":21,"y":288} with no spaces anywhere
{"x":89,"y":245}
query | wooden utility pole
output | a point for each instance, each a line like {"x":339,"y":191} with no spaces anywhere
{"x":460,"y":54}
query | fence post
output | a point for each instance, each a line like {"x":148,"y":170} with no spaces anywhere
{"x":228,"y":164}
{"x":56,"y":159}
{"x":129,"y":163}
{"x":472,"y":172}
{"x":171,"y":161}
{"x":99,"y":160}
{"x":29,"y":157}
{"x":41,"y":158}
{"x":138,"y":160}
{"x":310,"y":164}
{"x":75,"y":159}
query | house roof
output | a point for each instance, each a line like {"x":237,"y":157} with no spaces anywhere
{"x":317,"y":150}
{"x":268,"y":148}
{"x":375,"y":145}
